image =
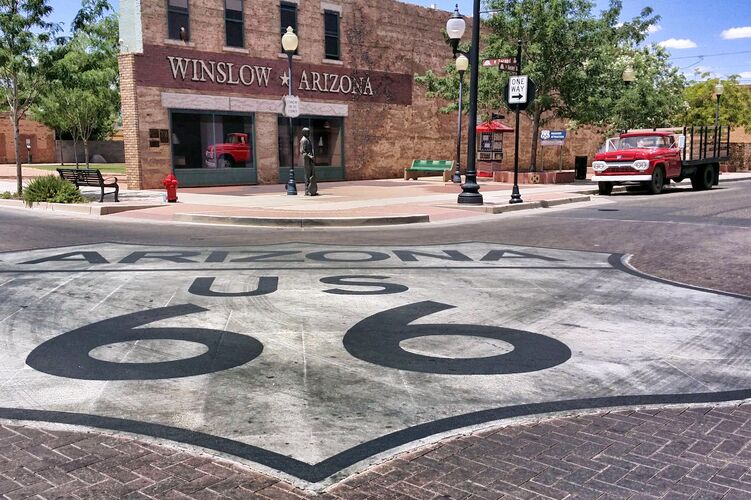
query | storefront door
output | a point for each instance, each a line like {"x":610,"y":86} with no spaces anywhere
{"x":327,"y":136}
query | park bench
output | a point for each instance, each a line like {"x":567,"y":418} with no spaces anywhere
{"x":90,"y":177}
{"x":444,"y":167}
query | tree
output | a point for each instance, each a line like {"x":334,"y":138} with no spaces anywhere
{"x":24,"y":35}
{"x":83,"y":96}
{"x":571,"y":55}
{"x":700,"y":103}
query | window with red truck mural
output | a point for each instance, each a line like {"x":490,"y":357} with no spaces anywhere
{"x":235,"y":152}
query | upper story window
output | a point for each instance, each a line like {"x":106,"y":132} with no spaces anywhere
{"x":233,"y":23}
{"x":178,"y":21}
{"x":331,"y":34}
{"x":288,"y":16}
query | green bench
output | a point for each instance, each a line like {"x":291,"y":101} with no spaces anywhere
{"x":444,"y":167}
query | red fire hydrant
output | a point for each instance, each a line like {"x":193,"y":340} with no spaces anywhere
{"x":170,"y":183}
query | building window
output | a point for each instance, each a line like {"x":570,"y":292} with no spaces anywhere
{"x":325,"y":135}
{"x":211,"y":140}
{"x":288,"y":16}
{"x":233,"y":22}
{"x":178,"y":20}
{"x":331,"y":34}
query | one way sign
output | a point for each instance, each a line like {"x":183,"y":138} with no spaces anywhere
{"x":517,"y":89}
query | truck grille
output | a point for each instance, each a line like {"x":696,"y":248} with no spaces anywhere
{"x":620,"y":167}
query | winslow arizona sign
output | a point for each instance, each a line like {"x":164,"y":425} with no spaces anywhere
{"x":170,"y":67}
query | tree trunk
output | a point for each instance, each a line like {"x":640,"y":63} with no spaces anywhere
{"x":86,"y":151}
{"x":535,"y":135}
{"x":17,"y":141}
{"x":75,"y":149}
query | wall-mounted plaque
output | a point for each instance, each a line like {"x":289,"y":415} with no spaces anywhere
{"x":154,"y":143}
{"x":485,"y":156}
{"x":153,"y":133}
{"x":164,"y":136}
{"x":498,"y":156}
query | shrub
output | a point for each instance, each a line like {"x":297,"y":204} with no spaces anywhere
{"x":6,"y":195}
{"x":52,"y":189}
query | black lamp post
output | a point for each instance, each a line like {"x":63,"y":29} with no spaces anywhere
{"x":455,"y":28}
{"x":289,"y":44}
{"x":462,"y":63}
{"x":718,"y":90}
{"x":628,"y":78}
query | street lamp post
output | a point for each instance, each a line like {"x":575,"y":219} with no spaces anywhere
{"x":289,"y":44}
{"x":718,"y":90}
{"x":462,"y":63}
{"x":455,"y":28}
{"x":628,"y":76}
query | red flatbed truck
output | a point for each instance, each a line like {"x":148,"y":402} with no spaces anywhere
{"x":652,"y":158}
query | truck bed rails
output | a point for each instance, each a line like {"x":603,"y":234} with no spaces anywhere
{"x":706,"y":144}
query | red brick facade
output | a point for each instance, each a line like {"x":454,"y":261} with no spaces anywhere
{"x":41,"y":138}
{"x":384,"y":130}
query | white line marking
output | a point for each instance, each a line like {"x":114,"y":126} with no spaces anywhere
{"x":108,"y":296}
{"x":227,"y":323}
{"x":6,"y":282}
{"x":170,"y":299}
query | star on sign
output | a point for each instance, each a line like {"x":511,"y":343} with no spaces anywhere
{"x":285,"y":79}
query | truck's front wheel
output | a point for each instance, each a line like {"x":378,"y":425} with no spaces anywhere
{"x":703,"y":179}
{"x":658,"y":180}
{"x":605,"y":188}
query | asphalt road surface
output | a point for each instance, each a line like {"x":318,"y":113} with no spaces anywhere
{"x":700,"y":238}
{"x":317,"y":353}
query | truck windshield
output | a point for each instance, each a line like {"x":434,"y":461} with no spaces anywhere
{"x":649,"y":141}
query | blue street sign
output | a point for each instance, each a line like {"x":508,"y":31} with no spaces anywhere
{"x":552,"y":135}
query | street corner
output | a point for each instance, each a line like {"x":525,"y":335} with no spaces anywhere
{"x":314,"y":360}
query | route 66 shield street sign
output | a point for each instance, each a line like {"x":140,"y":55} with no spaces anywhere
{"x":291,"y":105}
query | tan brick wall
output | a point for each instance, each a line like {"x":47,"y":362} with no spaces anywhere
{"x":130,"y":132}
{"x":42,"y":141}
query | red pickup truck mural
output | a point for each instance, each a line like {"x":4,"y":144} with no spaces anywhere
{"x":235,"y":152}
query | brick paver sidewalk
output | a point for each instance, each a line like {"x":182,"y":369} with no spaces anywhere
{"x":670,"y":453}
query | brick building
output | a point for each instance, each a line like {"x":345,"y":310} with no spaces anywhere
{"x":40,"y":139}
{"x":202,"y":81}
{"x":199,"y":76}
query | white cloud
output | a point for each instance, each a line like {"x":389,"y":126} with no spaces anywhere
{"x":677,"y":43}
{"x":654,"y":29}
{"x":733,"y":33}
{"x":745,"y":75}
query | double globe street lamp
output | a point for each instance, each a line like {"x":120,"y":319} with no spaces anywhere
{"x":289,"y":44}
{"x":455,"y":27}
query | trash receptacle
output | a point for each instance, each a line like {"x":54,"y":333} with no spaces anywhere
{"x":580,"y":165}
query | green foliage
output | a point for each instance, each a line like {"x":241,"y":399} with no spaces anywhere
{"x":700,"y":103}
{"x":83,"y":97}
{"x":7,"y":195}
{"x":53,"y":189}
{"x":654,"y":98}
{"x":576,"y":59}
{"x":24,"y":36}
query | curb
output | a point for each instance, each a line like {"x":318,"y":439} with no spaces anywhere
{"x":85,"y":209}
{"x":500,"y":209}
{"x":302,"y":221}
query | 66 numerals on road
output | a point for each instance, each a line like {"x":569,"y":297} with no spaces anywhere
{"x":375,"y":339}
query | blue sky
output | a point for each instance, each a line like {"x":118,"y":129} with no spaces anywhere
{"x":690,"y":29}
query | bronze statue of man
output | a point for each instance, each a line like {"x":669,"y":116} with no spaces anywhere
{"x":306,"y":151}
